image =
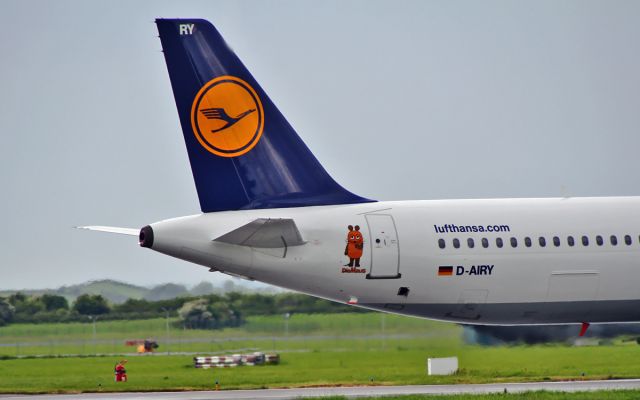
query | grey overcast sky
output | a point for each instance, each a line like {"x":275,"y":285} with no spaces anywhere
{"x":398,"y":100}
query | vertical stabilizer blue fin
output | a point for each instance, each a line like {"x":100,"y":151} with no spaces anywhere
{"x":243,"y":152}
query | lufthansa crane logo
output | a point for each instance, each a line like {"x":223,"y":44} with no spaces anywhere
{"x":227,"y":116}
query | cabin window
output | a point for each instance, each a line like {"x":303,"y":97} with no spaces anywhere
{"x":599,"y":240}
{"x":614,"y":240}
{"x":627,"y":240}
{"x":456,"y":243}
{"x":514,"y":242}
{"x":499,"y":242}
{"x":556,"y":241}
{"x":570,"y":241}
{"x":470,"y":243}
{"x":485,"y":243}
{"x":441,"y":243}
{"x":585,"y":241}
{"x":542,"y":241}
{"x":527,"y":241}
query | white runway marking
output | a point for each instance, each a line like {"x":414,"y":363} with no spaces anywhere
{"x":360,"y":391}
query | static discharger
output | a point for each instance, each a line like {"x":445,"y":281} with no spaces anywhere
{"x":583,"y":328}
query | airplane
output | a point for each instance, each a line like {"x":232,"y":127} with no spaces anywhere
{"x":271,"y":213}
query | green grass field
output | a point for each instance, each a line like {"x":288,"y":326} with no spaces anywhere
{"x":342,"y":349}
{"x":350,"y":367}
{"x":269,"y":333}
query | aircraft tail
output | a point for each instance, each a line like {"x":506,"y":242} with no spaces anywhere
{"x":243,"y":152}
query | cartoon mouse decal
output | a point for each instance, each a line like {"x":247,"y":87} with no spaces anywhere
{"x":355,"y":244}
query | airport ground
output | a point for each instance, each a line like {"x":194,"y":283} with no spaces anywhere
{"x":598,"y":395}
{"x":316,"y":350}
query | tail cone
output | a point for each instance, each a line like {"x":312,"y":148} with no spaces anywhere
{"x":146,"y":237}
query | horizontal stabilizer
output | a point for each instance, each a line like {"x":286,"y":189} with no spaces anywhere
{"x":112,"y":229}
{"x":265,"y":233}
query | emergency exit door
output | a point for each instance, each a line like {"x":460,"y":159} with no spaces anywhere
{"x":385,"y":249}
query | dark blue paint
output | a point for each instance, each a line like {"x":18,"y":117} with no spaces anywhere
{"x":280,"y":171}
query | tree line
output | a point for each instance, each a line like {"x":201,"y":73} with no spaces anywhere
{"x":204,"y":312}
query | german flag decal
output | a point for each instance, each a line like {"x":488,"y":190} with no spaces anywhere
{"x":445,"y":270}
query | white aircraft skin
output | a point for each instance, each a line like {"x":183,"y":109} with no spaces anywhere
{"x":271,"y":213}
{"x":526,"y":285}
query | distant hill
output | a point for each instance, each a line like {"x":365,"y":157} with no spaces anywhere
{"x":114,"y":291}
{"x":118,"y":292}
{"x":167,"y":291}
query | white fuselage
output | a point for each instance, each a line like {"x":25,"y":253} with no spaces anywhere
{"x":403,"y":268}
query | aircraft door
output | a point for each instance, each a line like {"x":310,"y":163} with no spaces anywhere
{"x":385,"y":249}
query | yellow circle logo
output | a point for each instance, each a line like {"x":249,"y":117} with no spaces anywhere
{"x":227,"y":116}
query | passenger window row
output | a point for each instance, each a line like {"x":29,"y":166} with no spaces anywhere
{"x":541,"y":242}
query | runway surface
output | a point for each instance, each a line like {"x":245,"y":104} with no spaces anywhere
{"x":360,"y":391}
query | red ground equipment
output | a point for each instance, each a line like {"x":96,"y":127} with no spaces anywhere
{"x":120,"y":372}
{"x":143,"y":345}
